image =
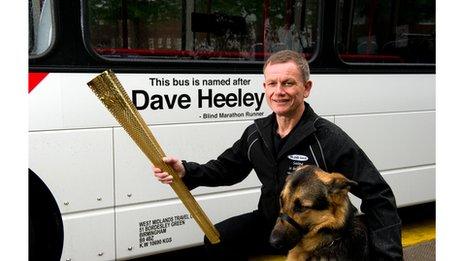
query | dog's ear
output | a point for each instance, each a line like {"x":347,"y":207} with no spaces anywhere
{"x":306,"y":168}
{"x":288,"y":177}
{"x":340,"y":183}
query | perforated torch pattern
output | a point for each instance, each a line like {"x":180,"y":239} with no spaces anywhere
{"x":111,"y":93}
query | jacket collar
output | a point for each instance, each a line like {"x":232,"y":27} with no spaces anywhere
{"x":303,"y":130}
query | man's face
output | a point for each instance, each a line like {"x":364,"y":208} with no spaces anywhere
{"x":285,"y":89}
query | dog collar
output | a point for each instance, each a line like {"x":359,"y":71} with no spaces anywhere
{"x":303,"y":230}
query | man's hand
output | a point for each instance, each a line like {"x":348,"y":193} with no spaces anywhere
{"x":164,"y":177}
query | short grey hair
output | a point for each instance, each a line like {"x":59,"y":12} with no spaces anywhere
{"x":290,"y":56}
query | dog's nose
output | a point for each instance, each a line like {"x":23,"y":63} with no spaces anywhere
{"x":276,"y":241}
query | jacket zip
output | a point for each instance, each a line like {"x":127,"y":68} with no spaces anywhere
{"x":274,"y":164}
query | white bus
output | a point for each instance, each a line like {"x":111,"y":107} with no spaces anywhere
{"x":194,"y":71}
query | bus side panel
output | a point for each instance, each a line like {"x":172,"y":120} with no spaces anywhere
{"x":45,"y":104}
{"x":81,"y":107}
{"x":330,"y":95}
{"x":358,"y":94}
{"x":76,"y":165}
{"x":175,"y":99}
{"x":393,"y":141}
{"x":89,"y":236}
{"x":64,"y":101}
{"x":402,"y":147}
{"x":192,"y":142}
{"x":410,"y":186}
{"x":163,"y":226}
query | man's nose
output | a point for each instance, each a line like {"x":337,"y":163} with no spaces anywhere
{"x":280,"y":89}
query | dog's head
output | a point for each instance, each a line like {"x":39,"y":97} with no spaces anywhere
{"x":310,"y":200}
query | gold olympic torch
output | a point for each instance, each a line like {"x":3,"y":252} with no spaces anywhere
{"x":111,"y":93}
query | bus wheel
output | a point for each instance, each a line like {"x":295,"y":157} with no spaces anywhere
{"x":45,"y":223}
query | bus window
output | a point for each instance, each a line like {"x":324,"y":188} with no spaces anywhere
{"x":201,"y":29}
{"x":41,"y":27}
{"x":386,"y":31}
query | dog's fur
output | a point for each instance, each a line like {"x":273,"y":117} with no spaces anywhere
{"x":318,"y":202}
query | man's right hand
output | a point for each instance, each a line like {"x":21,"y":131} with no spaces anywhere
{"x":165,"y":177}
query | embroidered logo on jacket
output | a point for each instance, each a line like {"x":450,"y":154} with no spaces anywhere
{"x":296,"y":161}
{"x":297,"y":157}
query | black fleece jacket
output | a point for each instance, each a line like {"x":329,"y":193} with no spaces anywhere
{"x":314,"y":141}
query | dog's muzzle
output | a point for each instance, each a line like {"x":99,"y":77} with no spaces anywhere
{"x":302,"y":230}
{"x":285,"y":237}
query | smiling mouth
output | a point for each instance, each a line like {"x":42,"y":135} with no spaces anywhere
{"x":280,"y":101}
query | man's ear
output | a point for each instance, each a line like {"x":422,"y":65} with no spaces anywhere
{"x":340,"y":183}
{"x":308,"y":86}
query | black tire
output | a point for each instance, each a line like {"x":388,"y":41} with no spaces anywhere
{"x":45,"y":223}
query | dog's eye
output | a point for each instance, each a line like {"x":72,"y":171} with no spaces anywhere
{"x":297,"y":207}
{"x":320,"y":203}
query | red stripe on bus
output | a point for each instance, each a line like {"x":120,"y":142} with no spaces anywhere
{"x":35,"y":78}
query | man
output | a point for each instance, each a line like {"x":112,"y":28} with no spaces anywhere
{"x":269,"y":146}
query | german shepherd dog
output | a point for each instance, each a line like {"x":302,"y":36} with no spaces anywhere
{"x":317,"y":220}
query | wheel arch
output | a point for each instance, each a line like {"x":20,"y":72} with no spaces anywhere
{"x":46,"y":234}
